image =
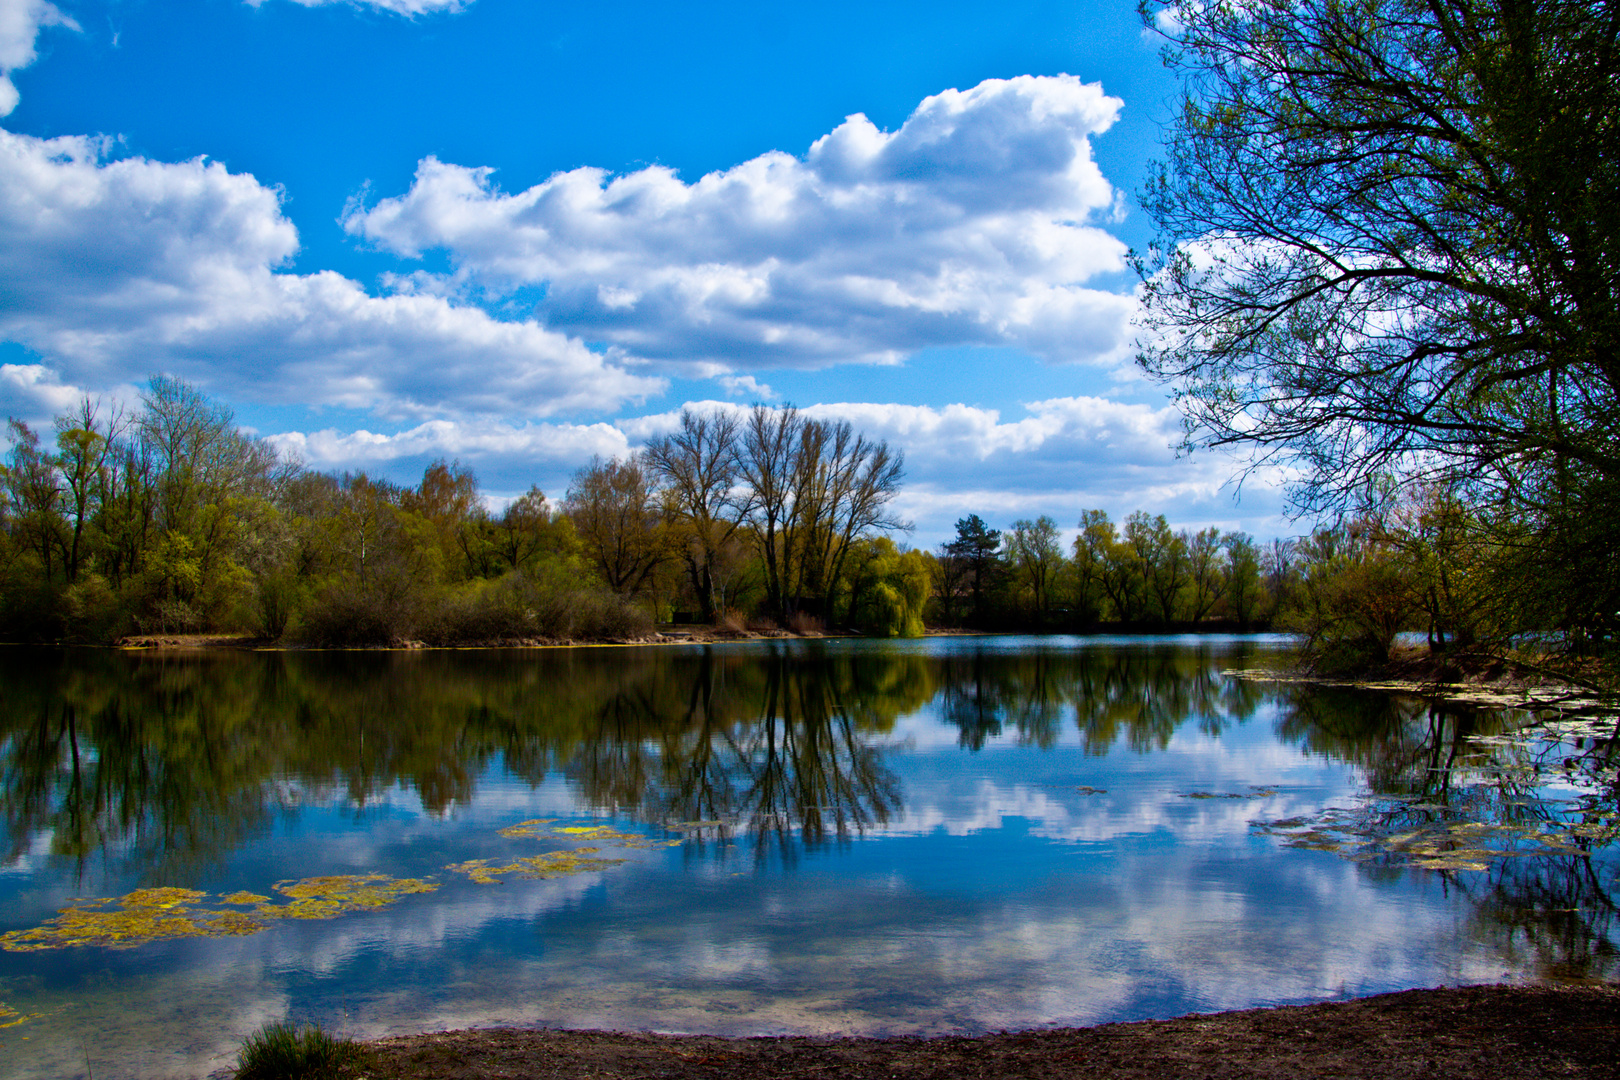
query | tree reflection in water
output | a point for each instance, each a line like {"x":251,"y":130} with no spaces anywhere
{"x":170,"y":763}
{"x":1443,"y":767}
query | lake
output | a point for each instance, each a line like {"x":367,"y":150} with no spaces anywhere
{"x":943,"y":835}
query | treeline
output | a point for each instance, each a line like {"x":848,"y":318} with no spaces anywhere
{"x":1481,"y":588}
{"x":1142,"y":576}
{"x":166,"y":519}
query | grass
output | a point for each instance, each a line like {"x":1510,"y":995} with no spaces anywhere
{"x":283,"y":1052}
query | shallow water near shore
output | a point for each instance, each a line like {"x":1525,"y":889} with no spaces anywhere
{"x":956,"y":834}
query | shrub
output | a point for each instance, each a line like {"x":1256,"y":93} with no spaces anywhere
{"x":802,"y":622}
{"x":345,"y":615}
{"x":280,"y":1051}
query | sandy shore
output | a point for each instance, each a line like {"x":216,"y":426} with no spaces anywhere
{"x":1485,"y":1032}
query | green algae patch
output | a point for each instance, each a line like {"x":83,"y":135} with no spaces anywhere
{"x":532,"y":827}
{"x":564,"y":861}
{"x":142,"y":916}
{"x":329,"y":897}
{"x":597,"y":834}
{"x":10,"y":1018}
{"x":166,"y":914}
{"x":550,"y":865}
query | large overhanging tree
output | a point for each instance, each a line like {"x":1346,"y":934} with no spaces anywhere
{"x":1388,"y":246}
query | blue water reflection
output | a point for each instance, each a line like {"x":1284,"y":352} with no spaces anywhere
{"x":946,"y":835}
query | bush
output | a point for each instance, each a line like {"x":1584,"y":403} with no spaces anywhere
{"x":344,"y":615}
{"x":281,"y":1051}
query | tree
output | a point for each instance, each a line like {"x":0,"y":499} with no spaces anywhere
{"x":977,"y":546}
{"x":698,"y":465}
{"x":1242,"y":569}
{"x":1091,"y":554}
{"x":1208,"y":570}
{"x":1037,"y":558}
{"x":1389,"y":246}
{"x":1389,"y":231}
{"x":615,"y":510}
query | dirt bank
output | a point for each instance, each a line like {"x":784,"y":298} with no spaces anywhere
{"x":1494,"y":1032}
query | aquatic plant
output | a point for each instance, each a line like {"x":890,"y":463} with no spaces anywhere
{"x":1253,"y":793}
{"x":551,"y":864}
{"x":10,"y":1017}
{"x":280,"y":1051}
{"x":556,"y":863}
{"x":159,"y":914}
{"x":1488,"y":807}
{"x":328,"y":897}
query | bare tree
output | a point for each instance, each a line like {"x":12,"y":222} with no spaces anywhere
{"x":614,"y":506}
{"x":700,"y":468}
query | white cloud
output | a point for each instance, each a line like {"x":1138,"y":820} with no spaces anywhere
{"x":408,"y":8}
{"x":1062,"y":456}
{"x":38,"y":390}
{"x":551,"y":443}
{"x":745,"y":386}
{"x":972,"y":223}
{"x":20,"y":24}
{"x":114,"y":268}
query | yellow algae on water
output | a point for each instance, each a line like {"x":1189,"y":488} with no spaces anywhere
{"x":552,"y":864}
{"x":328,"y":897}
{"x":144,"y":915}
{"x":526,"y":828}
{"x":577,"y":860}
{"x":10,"y":1017}
{"x":165,"y":914}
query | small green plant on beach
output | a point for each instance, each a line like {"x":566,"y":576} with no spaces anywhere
{"x":281,"y":1051}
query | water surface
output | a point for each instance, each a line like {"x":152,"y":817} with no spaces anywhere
{"x":837,"y":837}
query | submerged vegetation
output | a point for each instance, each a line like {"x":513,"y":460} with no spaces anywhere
{"x":165,"y":913}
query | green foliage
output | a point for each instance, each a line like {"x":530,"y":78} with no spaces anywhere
{"x":1355,"y":594}
{"x":889,"y":589}
{"x":1387,"y":253}
{"x":282,"y":1051}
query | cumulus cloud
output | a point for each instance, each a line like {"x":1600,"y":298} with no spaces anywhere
{"x":113,"y":268}
{"x":1063,"y":455}
{"x":974,"y":223}
{"x":549,"y":443}
{"x":35,"y":391}
{"x":20,"y":24}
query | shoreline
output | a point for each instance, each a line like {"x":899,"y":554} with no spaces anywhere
{"x":1505,"y":1032}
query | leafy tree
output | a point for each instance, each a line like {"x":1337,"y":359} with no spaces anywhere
{"x":1389,"y":234}
{"x":978,"y":547}
{"x":1092,"y":551}
{"x":1389,"y":246}
{"x":1242,"y":572}
{"x":1206,"y":567}
{"x":1037,"y":559}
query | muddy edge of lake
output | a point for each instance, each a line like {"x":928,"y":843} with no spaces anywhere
{"x":1502,"y":1032}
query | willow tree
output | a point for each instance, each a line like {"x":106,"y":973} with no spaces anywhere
{"x":1388,"y":248}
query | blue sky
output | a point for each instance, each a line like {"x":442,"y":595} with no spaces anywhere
{"x":520,"y":234}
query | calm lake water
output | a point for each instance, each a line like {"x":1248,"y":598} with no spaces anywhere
{"x":857,"y":837}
